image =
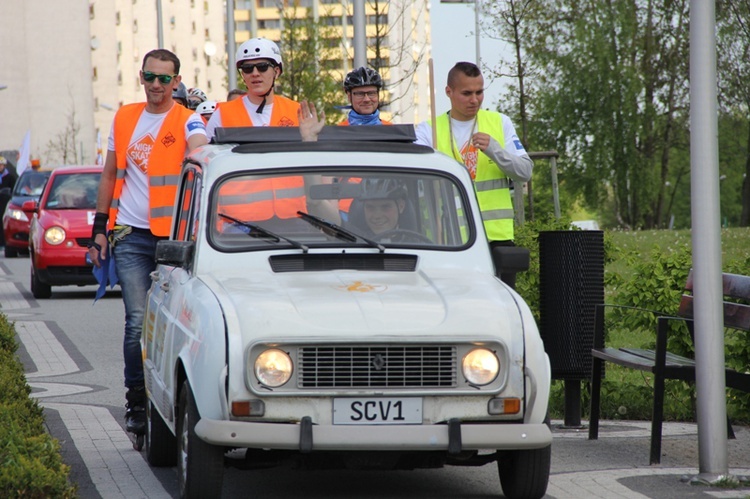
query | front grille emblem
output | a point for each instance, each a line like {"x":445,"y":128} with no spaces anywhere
{"x":378,"y":362}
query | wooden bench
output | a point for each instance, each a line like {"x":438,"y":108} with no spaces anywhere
{"x":663,"y":364}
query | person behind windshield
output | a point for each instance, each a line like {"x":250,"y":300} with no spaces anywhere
{"x":362,"y":87}
{"x":382,"y":202}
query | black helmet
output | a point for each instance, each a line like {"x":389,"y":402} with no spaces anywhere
{"x":181,"y":93}
{"x":382,"y":188}
{"x":362,"y":77}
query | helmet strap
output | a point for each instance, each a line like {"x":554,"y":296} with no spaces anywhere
{"x":263,"y":104}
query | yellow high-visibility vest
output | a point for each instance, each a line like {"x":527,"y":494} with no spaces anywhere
{"x":491,"y":185}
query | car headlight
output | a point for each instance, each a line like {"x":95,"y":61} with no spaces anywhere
{"x":17,"y":214}
{"x":480,"y":366}
{"x":54,"y":235}
{"x":273,"y":367}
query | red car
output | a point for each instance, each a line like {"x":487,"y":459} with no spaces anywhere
{"x":61,"y":229}
{"x":16,"y":220}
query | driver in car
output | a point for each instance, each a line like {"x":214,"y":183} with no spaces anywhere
{"x":381,"y":206}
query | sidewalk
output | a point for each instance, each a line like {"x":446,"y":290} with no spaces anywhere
{"x":617,"y":465}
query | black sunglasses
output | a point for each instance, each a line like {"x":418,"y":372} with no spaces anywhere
{"x":262,"y":67}
{"x":149,"y":77}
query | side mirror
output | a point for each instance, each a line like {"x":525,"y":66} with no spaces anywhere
{"x":30,"y":205}
{"x":510,"y":259}
{"x":175,"y":253}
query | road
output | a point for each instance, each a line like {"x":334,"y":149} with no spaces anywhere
{"x":71,"y":349}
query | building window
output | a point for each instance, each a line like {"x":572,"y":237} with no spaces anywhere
{"x":135,"y":25}
{"x":205,"y":7}
{"x":95,"y":74}
{"x":268,"y":24}
{"x":91,"y":11}
{"x":172,"y":22}
{"x":207,"y":34}
{"x":117,"y":18}
{"x":246,"y":25}
{"x":195,"y":54}
{"x":193,"y":25}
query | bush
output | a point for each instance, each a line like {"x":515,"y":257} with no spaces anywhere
{"x":30,"y":461}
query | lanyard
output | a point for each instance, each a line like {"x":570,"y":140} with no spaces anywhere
{"x":454,"y":147}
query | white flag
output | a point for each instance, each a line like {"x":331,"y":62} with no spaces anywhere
{"x":23,"y":153}
{"x":99,"y":157}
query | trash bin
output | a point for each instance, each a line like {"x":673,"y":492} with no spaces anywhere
{"x":571,"y":283}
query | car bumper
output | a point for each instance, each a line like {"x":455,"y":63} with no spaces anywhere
{"x":17,"y":234}
{"x":67,"y":276}
{"x":373,"y":437}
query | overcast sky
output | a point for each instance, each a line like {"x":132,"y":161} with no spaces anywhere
{"x":453,"y":40}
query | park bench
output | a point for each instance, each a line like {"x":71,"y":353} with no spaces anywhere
{"x":663,"y":364}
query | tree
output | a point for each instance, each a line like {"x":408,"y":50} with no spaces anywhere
{"x":611,"y":97}
{"x":63,"y":148}
{"x":733,"y":68}
{"x":305,"y":48}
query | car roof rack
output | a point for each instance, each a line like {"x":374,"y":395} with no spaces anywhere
{"x":257,"y":135}
{"x":256,"y":140}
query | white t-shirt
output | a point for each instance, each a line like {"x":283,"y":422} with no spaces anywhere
{"x":134,"y":206}
{"x":258,"y":119}
{"x":511,"y":157}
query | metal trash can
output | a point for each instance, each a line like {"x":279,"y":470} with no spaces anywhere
{"x":571,"y":283}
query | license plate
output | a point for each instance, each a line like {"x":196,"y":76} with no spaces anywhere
{"x":380,"y":410}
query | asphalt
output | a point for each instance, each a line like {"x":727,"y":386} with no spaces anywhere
{"x":617,"y":464}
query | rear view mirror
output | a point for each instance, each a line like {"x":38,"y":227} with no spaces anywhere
{"x":175,"y":253}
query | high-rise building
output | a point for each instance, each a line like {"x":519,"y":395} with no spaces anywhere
{"x":397,"y":40}
{"x":68,"y":65}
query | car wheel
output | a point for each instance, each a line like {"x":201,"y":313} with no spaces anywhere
{"x":10,"y":252}
{"x":524,"y":474}
{"x":200,"y":466}
{"x":38,"y":288}
{"x":161,"y":445}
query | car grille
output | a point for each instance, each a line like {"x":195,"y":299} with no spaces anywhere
{"x":420,"y":366}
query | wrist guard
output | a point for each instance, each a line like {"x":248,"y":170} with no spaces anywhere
{"x":100,"y":224}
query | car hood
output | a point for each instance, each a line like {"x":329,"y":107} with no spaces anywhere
{"x":325,"y":303}
{"x":74,"y":221}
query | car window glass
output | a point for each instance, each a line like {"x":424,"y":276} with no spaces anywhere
{"x":188,"y":215}
{"x":422,"y":209}
{"x":30,"y":184}
{"x":74,"y":191}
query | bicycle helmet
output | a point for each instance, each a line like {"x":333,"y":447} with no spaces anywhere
{"x":362,"y":77}
{"x":198,"y":94}
{"x":259,"y":48}
{"x":207,"y":107}
{"x":382,"y":188}
{"x":180,"y":94}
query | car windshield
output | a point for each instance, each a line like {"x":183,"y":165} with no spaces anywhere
{"x":73,"y":191}
{"x":31,"y":183}
{"x":340,"y":207}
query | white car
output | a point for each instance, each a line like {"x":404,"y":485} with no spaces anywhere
{"x":290,"y":317}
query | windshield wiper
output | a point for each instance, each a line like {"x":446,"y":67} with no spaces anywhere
{"x":338,"y":231}
{"x":259,"y":231}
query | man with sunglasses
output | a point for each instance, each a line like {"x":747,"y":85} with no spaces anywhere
{"x":259,"y":64}
{"x":147,"y":145}
{"x":362,"y":87}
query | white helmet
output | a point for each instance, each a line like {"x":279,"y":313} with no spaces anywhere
{"x":259,"y":48}
{"x":206,"y":107}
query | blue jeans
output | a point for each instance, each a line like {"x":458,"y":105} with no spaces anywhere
{"x":134,"y":261}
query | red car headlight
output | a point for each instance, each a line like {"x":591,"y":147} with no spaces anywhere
{"x":54,"y":235}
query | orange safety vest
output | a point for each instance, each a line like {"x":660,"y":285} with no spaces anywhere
{"x":284,"y":113}
{"x":164,"y":163}
{"x":261,"y":199}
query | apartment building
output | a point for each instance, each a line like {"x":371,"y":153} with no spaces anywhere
{"x":398,"y":43}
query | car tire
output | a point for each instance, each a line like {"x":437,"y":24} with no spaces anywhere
{"x":10,"y":252}
{"x":161,"y":445}
{"x":39,"y":289}
{"x":524,"y":474}
{"x":200,"y":466}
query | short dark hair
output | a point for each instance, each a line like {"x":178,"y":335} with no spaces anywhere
{"x":163,"y":55}
{"x":235,"y":91}
{"x":466,"y":68}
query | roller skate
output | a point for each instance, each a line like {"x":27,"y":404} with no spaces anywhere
{"x":135,"y":415}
